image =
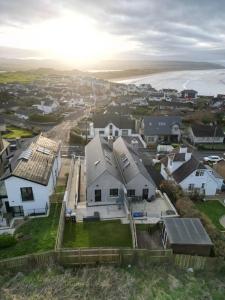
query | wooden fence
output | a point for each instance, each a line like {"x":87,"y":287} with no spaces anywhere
{"x":59,"y":237}
{"x":188,"y":261}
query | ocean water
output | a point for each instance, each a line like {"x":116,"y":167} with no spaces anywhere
{"x":206,"y":82}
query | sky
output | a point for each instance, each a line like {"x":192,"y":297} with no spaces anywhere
{"x":87,"y":31}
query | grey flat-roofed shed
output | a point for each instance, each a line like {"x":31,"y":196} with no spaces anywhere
{"x":186,"y":236}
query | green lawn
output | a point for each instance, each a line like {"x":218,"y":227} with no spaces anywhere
{"x":97,"y":234}
{"x":214,"y":210}
{"x":16,"y":132}
{"x":39,"y":235}
{"x":211,"y":147}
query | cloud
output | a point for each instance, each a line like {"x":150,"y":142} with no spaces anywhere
{"x":192,"y":28}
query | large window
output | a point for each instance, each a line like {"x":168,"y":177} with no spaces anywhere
{"x":113,"y":192}
{"x":124,"y":132}
{"x":199,"y":173}
{"x":101,"y":132}
{"x":27,"y":194}
{"x":130,"y":193}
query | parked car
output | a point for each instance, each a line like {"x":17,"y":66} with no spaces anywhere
{"x":212,"y":158}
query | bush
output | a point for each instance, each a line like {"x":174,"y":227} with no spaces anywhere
{"x":76,"y":138}
{"x":7,"y":240}
{"x":173,"y":191}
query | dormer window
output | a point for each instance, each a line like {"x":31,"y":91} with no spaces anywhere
{"x":199,"y":173}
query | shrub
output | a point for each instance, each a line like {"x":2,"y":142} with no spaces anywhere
{"x":171,"y":189}
{"x":7,"y":240}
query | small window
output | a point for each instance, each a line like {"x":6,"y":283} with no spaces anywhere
{"x":113,"y":192}
{"x":191,"y":187}
{"x":124,"y":132}
{"x":27,"y":194}
{"x":130,"y":193}
{"x":199,"y":173}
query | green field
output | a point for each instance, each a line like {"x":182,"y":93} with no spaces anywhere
{"x":214,"y":210}
{"x":158,"y":282}
{"x":19,"y":77}
{"x":97,"y":234}
{"x":37,"y":235}
{"x":16,"y":132}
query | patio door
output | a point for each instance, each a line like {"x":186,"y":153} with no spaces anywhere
{"x":145,"y":194}
{"x":98,"y":195}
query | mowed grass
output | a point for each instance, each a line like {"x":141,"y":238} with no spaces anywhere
{"x":16,"y":132}
{"x":214,"y":210}
{"x":37,"y":235}
{"x":97,"y":234}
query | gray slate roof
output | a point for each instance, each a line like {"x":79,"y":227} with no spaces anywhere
{"x":129,"y":161}
{"x":122,"y":122}
{"x":207,"y":131}
{"x":160,"y":125}
{"x":99,"y":159}
{"x":186,"y":231}
{"x":187,"y":168}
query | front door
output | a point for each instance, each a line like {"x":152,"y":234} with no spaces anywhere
{"x":145,"y":194}
{"x":98,"y":195}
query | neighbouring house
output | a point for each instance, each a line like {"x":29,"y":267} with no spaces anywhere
{"x":113,"y":125}
{"x":48,"y":106}
{"x":4,"y":153}
{"x":31,"y":177}
{"x":161,"y":129}
{"x":189,"y":94}
{"x":113,"y":170}
{"x":22,"y":114}
{"x":190,"y":174}
{"x":186,"y":236}
{"x":206,"y":134}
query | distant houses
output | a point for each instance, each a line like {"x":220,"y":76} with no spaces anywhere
{"x":30,"y":178}
{"x":47,"y":106}
{"x":189,"y":94}
{"x":113,"y":170}
{"x":156,"y":129}
{"x":190,"y":174}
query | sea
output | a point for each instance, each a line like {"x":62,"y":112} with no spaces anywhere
{"x":206,"y":82}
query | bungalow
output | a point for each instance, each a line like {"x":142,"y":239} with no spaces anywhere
{"x":31,"y":178}
{"x":161,"y":128}
{"x":186,"y":236}
{"x":113,"y":170}
{"x":201,"y":134}
{"x":111,"y":125}
{"x":190,"y":174}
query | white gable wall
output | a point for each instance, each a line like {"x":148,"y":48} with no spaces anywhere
{"x":138,"y":183}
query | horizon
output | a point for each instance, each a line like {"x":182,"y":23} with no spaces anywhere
{"x":84,"y":34}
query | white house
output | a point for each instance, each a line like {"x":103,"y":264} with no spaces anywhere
{"x":48,"y":106}
{"x":21,"y":115}
{"x":31,"y":178}
{"x":115,"y":170}
{"x":201,"y":134}
{"x":111,"y":125}
{"x":190,"y":174}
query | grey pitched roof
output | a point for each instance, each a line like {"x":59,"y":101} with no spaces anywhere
{"x":159,"y":125}
{"x":129,"y":161}
{"x":187,"y":168}
{"x":207,"y":131}
{"x":100,"y":158}
{"x":122,"y":122}
{"x":186,"y":231}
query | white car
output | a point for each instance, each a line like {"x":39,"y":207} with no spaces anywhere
{"x":212,"y":158}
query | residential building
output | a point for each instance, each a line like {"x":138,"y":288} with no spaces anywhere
{"x":21,"y":114}
{"x":206,"y":134}
{"x":189,"y":94}
{"x":161,"y":128}
{"x":113,"y":125}
{"x":186,"y":236}
{"x":190,"y":174}
{"x":31,"y":178}
{"x":48,"y":106}
{"x":113,"y":171}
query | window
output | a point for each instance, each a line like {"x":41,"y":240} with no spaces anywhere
{"x":151,"y":139}
{"x":101,"y":132}
{"x":98,"y":195}
{"x":124,"y":132}
{"x":199,"y":173}
{"x":203,"y":185}
{"x":113,"y":192}
{"x":27,"y":194}
{"x":130,"y":193}
{"x":191,"y":187}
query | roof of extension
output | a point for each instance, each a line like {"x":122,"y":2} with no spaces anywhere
{"x":207,"y":131}
{"x":187,"y":168}
{"x":129,"y":161}
{"x":122,"y":122}
{"x":100,"y":158}
{"x":186,"y":231}
{"x":36,"y":162}
{"x":160,"y":125}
